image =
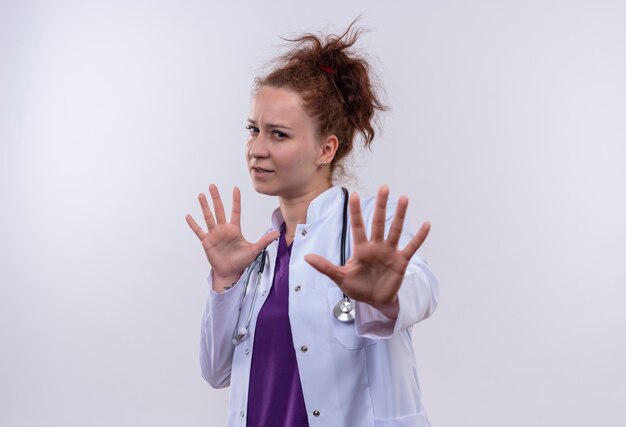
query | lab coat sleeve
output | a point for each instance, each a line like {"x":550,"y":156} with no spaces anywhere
{"x":218,"y":322}
{"x":418,"y":295}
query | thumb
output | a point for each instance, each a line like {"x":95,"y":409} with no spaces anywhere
{"x":266,"y":240}
{"x":334,"y":272}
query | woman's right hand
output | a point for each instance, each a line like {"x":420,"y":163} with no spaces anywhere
{"x":225,"y":247}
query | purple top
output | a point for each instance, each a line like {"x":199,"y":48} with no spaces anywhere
{"x":275,"y":394}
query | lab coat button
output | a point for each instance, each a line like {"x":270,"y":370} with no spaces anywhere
{"x":316,"y":413}
{"x":304,"y":349}
{"x":297,"y":288}
{"x":263,"y":293}
{"x":242,"y":413}
{"x":247,"y":351}
{"x":303,"y":233}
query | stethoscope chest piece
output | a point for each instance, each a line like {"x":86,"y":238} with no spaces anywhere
{"x":344,"y":311}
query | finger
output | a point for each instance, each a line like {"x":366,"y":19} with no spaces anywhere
{"x":195,"y":227}
{"x":206,"y":211}
{"x":378,"y":222}
{"x":235,"y":215}
{"x":264,"y":241}
{"x":416,"y":241}
{"x":398,"y":221}
{"x":356,"y":219}
{"x":325,"y":267}
{"x":220,"y":216}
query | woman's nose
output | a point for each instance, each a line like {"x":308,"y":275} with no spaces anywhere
{"x":258,"y":147}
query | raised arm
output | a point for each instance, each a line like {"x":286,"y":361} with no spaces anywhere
{"x":384,"y":278}
{"x":228,"y":253}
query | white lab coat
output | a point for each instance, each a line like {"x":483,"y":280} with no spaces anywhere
{"x":352,"y":374}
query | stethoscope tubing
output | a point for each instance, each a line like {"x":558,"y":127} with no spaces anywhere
{"x":343,"y":311}
{"x":240,"y":333}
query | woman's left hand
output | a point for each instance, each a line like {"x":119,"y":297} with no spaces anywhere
{"x":375,"y":271}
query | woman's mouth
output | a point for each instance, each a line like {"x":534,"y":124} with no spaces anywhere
{"x":258,"y":172}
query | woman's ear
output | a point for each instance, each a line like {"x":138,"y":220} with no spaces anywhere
{"x":330,"y":144}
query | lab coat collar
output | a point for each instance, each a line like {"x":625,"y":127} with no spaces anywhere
{"x":317,"y":208}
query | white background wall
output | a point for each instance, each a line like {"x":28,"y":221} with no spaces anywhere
{"x":507,"y":132}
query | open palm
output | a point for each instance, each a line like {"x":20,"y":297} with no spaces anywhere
{"x":376,"y":269}
{"x":228,"y":252}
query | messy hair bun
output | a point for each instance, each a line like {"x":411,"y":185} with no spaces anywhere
{"x":334,"y":84}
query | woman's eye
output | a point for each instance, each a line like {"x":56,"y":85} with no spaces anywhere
{"x":254,"y":130}
{"x":279,"y":134}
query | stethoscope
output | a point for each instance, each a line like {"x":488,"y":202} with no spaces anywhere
{"x":343,"y":310}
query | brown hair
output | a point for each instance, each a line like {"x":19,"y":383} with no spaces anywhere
{"x":334,"y":84}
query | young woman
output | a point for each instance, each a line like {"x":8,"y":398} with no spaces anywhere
{"x":314,"y":342}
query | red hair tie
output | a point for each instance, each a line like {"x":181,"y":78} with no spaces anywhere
{"x":327,"y":69}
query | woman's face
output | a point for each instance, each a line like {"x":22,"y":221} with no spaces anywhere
{"x":282,"y":152}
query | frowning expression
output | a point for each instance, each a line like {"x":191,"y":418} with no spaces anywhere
{"x":282,"y":150}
